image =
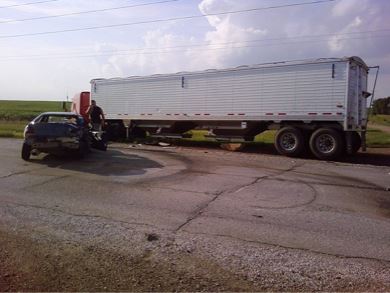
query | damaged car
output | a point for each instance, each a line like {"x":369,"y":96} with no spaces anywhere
{"x":59,"y":133}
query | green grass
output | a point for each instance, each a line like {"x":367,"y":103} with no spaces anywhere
{"x":12,"y":128}
{"x":380,"y":119}
{"x":197,"y":135}
{"x":267,"y":137}
{"x":377,"y":139}
{"x":27,"y":110}
{"x":14,"y":115}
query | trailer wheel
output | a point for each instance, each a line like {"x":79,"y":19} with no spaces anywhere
{"x":326,"y":143}
{"x":26,"y":151}
{"x":289,"y":141}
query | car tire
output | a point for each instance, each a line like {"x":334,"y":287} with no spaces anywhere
{"x":26,"y":151}
{"x":290,"y":141}
{"x":327,"y":143}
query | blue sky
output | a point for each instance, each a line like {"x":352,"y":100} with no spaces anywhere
{"x":50,"y":67}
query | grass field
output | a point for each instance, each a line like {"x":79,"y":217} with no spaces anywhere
{"x":14,"y":115}
{"x":377,"y":138}
{"x":12,"y":128}
{"x":27,"y":110}
{"x":380,"y":119}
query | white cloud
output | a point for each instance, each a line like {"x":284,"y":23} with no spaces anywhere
{"x":348,"y":7}
{"x":337,"y":43}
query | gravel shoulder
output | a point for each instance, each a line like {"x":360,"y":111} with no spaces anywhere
{"x":187,"y":263}
{"x":52,"y":265}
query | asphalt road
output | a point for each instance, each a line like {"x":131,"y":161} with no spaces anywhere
{"x":187,"y":218}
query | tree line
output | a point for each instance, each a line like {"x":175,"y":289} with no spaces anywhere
{"x":381,"y":106}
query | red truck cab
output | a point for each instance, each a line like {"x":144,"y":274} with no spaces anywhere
{"x":80,"y":104}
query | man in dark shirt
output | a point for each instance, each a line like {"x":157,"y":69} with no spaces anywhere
{"x":97,"y":116}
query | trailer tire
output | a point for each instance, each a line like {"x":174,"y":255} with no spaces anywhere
{"x":26,"y":151}
{"x":290,"y":141}
{"x":327,"y":143}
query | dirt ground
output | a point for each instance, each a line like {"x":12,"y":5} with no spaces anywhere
{"x":56,"y":266}
{"x":47,"y":265}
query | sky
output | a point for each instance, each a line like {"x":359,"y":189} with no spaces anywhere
{"x":52,"y":57}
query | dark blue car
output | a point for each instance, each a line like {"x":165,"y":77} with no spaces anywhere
{"x":59,"y":132}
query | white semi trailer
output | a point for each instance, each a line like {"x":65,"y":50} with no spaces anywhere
{"x":318,"y":105}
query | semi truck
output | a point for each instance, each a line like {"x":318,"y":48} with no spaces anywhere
{"x":317,"y":106}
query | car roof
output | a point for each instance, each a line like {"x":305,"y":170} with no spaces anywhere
{"x":60,"y":113}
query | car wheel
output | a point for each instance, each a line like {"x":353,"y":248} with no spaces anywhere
{"x":326,"y":143}
{"x":290,"y":141}
{"x":26,"y":151}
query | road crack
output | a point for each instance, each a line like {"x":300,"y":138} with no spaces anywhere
{"x":267,"y":177}
{"x":20,"y":172}
{"x":77,"y":215}
{"x":199,"y":211}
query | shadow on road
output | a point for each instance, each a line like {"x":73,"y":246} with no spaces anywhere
{"x":369,"y":158}
{"x":110,"y":163}
{"x":378,"y":157}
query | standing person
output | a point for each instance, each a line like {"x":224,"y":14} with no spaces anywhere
{"x":97,"y":116}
